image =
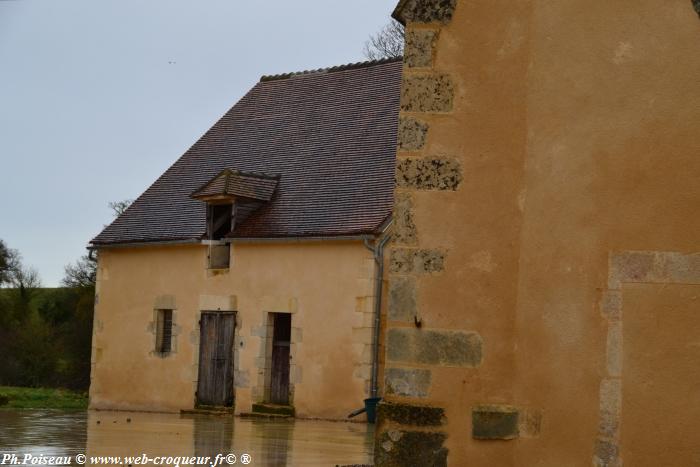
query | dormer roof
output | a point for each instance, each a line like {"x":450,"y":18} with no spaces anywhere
{"x":233,"y":184}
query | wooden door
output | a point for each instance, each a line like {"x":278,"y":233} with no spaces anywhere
{"x":279,"y":381}
{"x":215,"y":383}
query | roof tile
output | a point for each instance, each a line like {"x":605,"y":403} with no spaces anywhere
{"x":330,"y":136}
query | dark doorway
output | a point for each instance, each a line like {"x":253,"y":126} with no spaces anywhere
{"x":215,"y":383}
{"x":220,"y":217}
{"x":279,"y":381}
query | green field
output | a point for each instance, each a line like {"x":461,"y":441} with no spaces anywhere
{"x":41,"y":398}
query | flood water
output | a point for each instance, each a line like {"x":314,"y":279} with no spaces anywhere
{"x":135,"y":434}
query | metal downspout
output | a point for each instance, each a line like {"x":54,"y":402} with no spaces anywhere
{"x":378,"y":252}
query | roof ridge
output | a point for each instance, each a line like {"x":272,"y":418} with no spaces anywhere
{"x":246,"y":173}
{"x":331,"y":69}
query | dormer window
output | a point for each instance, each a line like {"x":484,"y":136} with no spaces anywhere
{"x":220,"y":220}
{"x":227,"y":194}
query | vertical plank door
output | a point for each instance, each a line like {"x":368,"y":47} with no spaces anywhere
{"x":215,"y":382}
{"x":279,"y":381}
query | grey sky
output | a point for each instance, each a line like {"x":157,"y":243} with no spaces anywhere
{"x":98,"y":98}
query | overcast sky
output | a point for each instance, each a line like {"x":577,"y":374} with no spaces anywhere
{"x":98,"y":98}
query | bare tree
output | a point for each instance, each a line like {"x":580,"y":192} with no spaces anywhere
{"x":13,"y":273}
{"x":120,"y":206}
{"x":83,"y":273}
{"x":25,"y":278}
{"x":8,"y":262}
{"x":387,"y":43}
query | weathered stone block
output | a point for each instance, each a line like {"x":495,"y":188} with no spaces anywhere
{"x":408,"y":414}
{"x":409,"y":448}
{"x":404,"y":232}
{"x":164,"y":302}
{"x":681,"y":268}
{"x":653,"y":267}
{"x":412,"y":134}
{"x":365,"y":287}
{"x":418,"y":51}
{"x":366,"y":353}
{"x":427,"y":261}
{"x":529,"y":423}
{"x":428,"y":173}
{"x":631,"y":266}
{"x":611,"y":304}
{"x":364,"y":304}
{"x":407,"y":261}
{"x":434,"y":347}
{"x":494,"y":422}
{"x":401,"y":261}
{"x":606,"y":454}
{"x":218,"y":302}
{"x":273,"y":409}
{"x":367,"y":319}
{"x":367,"y":267}
{"x":425,"y":11}
{"x":402,"y":299}
{"x":362,"y":371}
{"x":408,"y":382}
{"x":362,"y":335}
{"x":614,"y":349}
{"x":610,"y":405}
{"x":295,"y":374}
{"x":427,"y":92}
{"x":241,"y":378}
{"x":277,"y":304}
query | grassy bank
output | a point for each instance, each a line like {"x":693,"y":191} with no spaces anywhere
{"x":41,"y":398}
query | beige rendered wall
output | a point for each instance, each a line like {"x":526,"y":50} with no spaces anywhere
{"x":545,"y":278}
{"x":327,"y":286}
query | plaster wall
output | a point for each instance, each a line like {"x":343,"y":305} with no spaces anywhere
{"x":328,"y":288}
{"x":573,"y":126}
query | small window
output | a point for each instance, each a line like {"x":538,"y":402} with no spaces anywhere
{"x":164,"y":334}
{"x":219,"y":256}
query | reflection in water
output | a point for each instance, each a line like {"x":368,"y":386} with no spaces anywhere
{"x":42,"y":432}
{"x":274,"y":443}
{"x":212,"y":436}
{"x":274,"y":438}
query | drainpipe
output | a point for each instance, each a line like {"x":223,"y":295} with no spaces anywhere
{"x":378,"y":252}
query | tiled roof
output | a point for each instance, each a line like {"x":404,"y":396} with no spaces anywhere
{"x":330,"y":136}
{"x":345,"y":67}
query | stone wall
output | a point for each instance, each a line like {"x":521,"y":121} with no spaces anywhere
{"x":330,"y":363}
{"x":544,"y":269}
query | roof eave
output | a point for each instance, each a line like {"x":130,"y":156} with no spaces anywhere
{"x":199,"y":241}
{"x":146,"y":243}
{"x":318,"y":238}
{"x":397,"y":14}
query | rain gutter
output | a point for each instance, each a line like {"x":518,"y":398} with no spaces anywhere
{"x":378,"y":252}
{"x":194,"y":241}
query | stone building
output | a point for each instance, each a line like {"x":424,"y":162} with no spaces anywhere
{"x":246,"y":275}
{"x":544,"y":281}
